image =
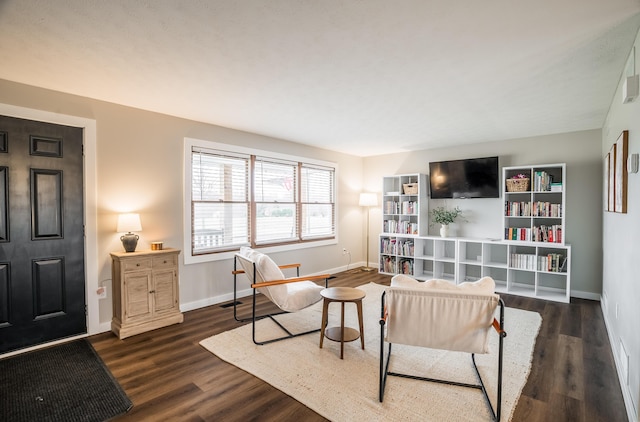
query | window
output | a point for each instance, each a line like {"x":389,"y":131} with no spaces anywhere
{"x":242,"y":197}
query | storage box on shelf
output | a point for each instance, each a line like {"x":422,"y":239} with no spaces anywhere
{"x":536,"y":214}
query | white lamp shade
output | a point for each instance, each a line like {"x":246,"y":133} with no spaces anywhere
{"x":129,"y":223}
{"x":368,"y":199}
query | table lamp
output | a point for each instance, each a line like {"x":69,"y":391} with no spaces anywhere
{"x":129,"y":223}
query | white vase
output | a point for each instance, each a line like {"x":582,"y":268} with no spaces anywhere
{"x":444,"y":230}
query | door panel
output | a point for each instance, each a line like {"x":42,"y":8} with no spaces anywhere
{"x":46,"y":204}
{"x":48,"y":288}
{"x":165,"y":297}
{"x":42,"y":277}
{"x":138,"y":301}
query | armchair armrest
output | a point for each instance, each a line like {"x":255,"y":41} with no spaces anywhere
{"x":290,"y":280}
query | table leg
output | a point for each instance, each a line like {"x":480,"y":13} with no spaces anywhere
{"x":359,"y":306}
{"x":325,"y":316}
{"x":342,"y":333}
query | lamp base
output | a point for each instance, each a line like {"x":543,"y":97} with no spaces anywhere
{"x":368,"y":269}
{"x":129,"y":241}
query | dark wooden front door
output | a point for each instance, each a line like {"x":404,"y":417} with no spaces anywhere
{"x":42,"y":277}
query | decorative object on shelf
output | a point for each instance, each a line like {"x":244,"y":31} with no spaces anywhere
{"x":156,"y":246}
{"x":444,"y":217}
{"x":129,"y":223}
{"x":518,"y":183}
{"x":410,"y":188}
{"x":368,"y":200}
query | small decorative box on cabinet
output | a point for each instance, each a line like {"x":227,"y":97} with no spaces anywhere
{"x":145,"y":291}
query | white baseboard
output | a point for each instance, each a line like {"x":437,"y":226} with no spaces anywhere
{"x":585,"y":295}
{"x":632,"y":412}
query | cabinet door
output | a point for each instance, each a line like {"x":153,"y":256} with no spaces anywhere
{"x":165,"y":291}
{"x":137,"y":301}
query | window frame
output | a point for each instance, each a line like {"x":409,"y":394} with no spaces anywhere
{"x":190,"y":144}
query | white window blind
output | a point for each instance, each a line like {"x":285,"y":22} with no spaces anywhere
{"x":318,"y":201}
{"x":220,"y":201}
{"x":275,"y":186}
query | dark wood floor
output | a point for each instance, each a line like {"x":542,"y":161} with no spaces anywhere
{"x":169,"y":376}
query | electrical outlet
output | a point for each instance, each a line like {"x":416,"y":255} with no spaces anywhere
{"x":102,"y":292}
{"x":344,"y":251}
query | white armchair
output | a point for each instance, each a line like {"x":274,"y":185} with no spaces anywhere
{"x":288,"y":294}
{"x":440,"y":315}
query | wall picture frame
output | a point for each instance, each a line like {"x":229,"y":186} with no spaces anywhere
{"x":611,"y":178}
{"x":605,"y":180}
{"x":621,"y":174}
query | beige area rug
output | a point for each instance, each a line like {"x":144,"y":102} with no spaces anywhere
{"x":347,"y":390}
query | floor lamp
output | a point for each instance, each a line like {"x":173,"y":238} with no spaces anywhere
{"x":368,"y":200}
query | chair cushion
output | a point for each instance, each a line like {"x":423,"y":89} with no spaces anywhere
{"x":484,"y":285}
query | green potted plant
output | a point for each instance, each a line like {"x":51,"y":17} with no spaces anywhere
{"x":444,"y":217}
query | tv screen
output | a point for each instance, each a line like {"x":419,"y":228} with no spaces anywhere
{"x":471,"y":178}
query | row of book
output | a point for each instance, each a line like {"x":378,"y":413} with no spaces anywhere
{"x":404,"y":207}
{"x":401,"y":227}
{"x":388,"y":264}
{"x":394,"y":247}
{"x":544,"y":233}
{"x":388,"y":246}
{"x":552,"y":262}
{"x":541,"y":181}
{"x":406,"y":266}
{"x":536,"y":209}
{"x":549,"y":234}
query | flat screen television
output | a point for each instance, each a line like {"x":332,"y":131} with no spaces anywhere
{"x":470,"y":178}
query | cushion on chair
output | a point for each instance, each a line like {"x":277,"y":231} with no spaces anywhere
{"x":441,"y":315}
{"x":485,"y":284}
{"x":289,"y":297}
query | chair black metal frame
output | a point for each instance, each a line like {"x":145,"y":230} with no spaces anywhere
{"x":255,"y":287}
{"x":499,"y":328}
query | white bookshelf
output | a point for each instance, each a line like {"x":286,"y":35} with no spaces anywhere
{"x":403,"y":198}
{"x":538,"y":213}
{"x":515,"y":267}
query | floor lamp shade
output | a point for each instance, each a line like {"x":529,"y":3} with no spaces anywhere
{"x":368,"y":200}
{"x":129,"y":223}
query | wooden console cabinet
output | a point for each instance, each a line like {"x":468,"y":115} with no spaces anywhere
{"x":145,"y":291}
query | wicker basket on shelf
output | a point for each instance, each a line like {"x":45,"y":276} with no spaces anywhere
{"x":518,"y":185}
{"x":410,"y":188}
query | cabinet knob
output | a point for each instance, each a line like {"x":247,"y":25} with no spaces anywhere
{"x":165,"y":261}
{"x":152,"y":291}
{"x":137,"y":265}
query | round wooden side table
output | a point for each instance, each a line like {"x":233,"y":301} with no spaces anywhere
{"x":342,"y":334}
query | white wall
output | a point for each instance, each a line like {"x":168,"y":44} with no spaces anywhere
{"x":140,"y":168}
{"x":621,"y":232}
{"x":579,"y":150}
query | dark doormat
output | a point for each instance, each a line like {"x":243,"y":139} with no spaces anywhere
{"x":67,"y":382}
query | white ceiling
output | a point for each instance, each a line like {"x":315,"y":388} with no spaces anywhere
{"x":365,"y":77}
